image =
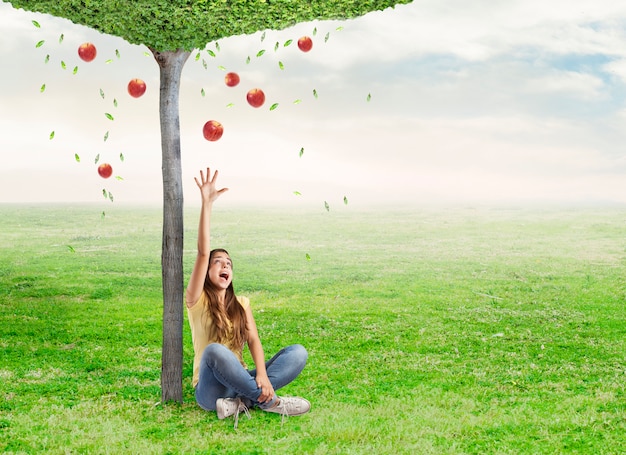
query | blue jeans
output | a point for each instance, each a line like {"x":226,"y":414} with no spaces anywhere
{"x":221,"y":375}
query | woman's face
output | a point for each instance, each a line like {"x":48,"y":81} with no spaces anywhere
{"x":220,"y":270}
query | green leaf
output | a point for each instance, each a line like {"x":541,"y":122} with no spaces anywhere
{"x":307,"y":256}
{"x":273,"y":106}
{"x":315,"y":31}
{"x":326,"y":206}
{"x":148,"y":54}
{"x":102,"y":215}
{"x":315,"y":93}
{"x":110,"y":196}
{"x":204,"y":63}
{"x":298,"y":101}
{"x":61,"y":38}
{"x":217,"y":46}
{"x":75,"y":70}
{"x":248,"y":60}
{"x":104,"y":193}
{"x":43,"y":88}
{"x":297,"y":193}
{"x":47,"y":59}
{"x":288,"y":42}
{"x":117,"y":177}
{"x":114,"y":102}
{"x":121,"y":157}
{"x":281,"y":66}
{"x":263,"y":37}
{"x":36,"y":24}
{"x":106,"y":136}
{"x":340,"y":28}
{"x":210,"y":52}
{"x":197,"y":56}
{"x":369,"y":97}
{"x":40,"y":43}
{"x":52,"y":135}
{"x":345,"y":200}
{"x":95,"y":161}
{"x":202,"y":92}
{"x":109,"y":116}
{"x":117,"y":53}
{"x":261,"y":52}
{"x":108,"y":61}
{"x":71,"y":249}
{"x":223,"y":68}
{"x":326,"y":37}
{"x":230,"y":104}
{"x":301,"y":152}
{"x":102,"y":93}
{"x":276,"y":46}
{"x":63,"y":65}
{"x":76,"y":157}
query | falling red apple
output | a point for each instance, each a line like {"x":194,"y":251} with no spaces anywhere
{"x":136,"y":88}
{"x":105,"y":170}
{"x":305,"y":44}
{"x":256,"y":97}
{"x":87,"y":52}
{"x":212,"y":130}
{"x":231,"y":79}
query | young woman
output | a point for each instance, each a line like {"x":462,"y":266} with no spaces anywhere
{"x":221,"y":323}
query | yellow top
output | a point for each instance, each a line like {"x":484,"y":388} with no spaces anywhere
{"x":201,"y":338}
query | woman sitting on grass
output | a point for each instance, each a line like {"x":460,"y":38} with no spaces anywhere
{"x":221,"y":323}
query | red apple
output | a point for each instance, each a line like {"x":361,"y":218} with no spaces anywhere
{"x":256,"y":97}
{"x":136,"y":88}
{"x":305,"y":44}
{"x":231,"y":79}
{"x":212,"y":130}
{"x":105,"y":170}
{"x":87,"y":51}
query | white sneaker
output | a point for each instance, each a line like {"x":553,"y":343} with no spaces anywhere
{"x":227,"y":407}
{"x":290,"y":406}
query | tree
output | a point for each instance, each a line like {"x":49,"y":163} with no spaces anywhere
{"x":171,"y":29}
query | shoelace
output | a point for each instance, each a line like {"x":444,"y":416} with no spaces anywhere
{"x":242,"y":408}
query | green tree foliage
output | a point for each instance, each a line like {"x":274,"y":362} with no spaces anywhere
{"x":168,"y":25}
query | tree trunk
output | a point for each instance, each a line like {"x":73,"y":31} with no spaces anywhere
{"x":171,"y":65}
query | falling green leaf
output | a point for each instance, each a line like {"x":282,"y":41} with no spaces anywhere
{"x":114,"y":102}
{"x":204,"y":64}
{"x":340,"y":28}
{"x":52,"y":135}
{"x":369,"y":97}
{"x":117,"y":53}
{"x":326,"y":37}
{"x":274,"y":106}
{"x":40,"y":43}
{"x":288,"y":42}
{"x":315,"y":93}
{"x":217,"y":46}
{"x":276,"y":46}
{"x":298,"y":101}
{"x":110,"y":196}
{"x":36,"y":24}
{"x":308,"y":257}
{"x":43,"y":88}
{"x":326,"y":206}
{"x":63,"y":64}
{"x":197,"y":56}
{"x":301,"y":152}
{"x":223,"y":68}
{"x":71,"y":249}
{"x":106,"y":136}
{"x":102,"y":93}
{"x":202,"y":92}
{"x":122,"y":157}
{"x":263,"y":37}
{"x":297,"y":193}
{"x":248,"y":60}
{"x":117,"y":177}
{"x":345,"y":200}
{"x":104,"y":193}
{"x":147,"y":54}
{"x":281,"y":66}
{"x":61,"y":38}
{"x":102,"y":215}
{"x":261,"y":52}
{"x":230,"y":104}
{"x":211,"y":53}
{"x":108,"y":61}
{"x":75,"y":70}
{"x":315,"y":31}
{"x":97,"y":159}
{"x":109,"y":116}
{"x":76,"y":157}
{"x":47,"y":59}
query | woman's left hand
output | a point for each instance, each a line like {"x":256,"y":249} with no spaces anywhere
{"x":267,"y":390}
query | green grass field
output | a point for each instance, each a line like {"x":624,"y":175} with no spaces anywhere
{"x":430,"y":331}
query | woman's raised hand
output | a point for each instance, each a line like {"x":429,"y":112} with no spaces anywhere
{"x":207,"y":186}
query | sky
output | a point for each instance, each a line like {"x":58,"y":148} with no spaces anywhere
{"x":435,"y":102}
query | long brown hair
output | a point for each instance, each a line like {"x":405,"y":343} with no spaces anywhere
{"x":231,"y":310}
